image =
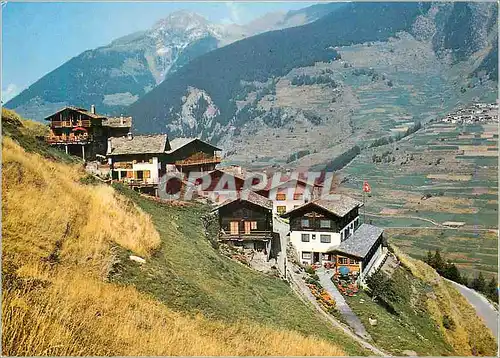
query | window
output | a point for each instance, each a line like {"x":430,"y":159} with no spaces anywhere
{"x":304,"y":222}
{"x":305,"y":237}
{"x":353,"y":262}
{"x":342,"y":236}
{"x":247,"y":227}
{"x":314,"y":236}
{"x":325,"y":224}
{"x":325,"y":238}
{"x":306,"y":255}
{"x":326,"y":257}
{"x":356,"y":223}
{"x":234,"y":227}
{"x":253,"y":225}
{"x":298,"y":196}
{"x":281,"y":209}
{"x":343,"y":260}
{"x":296,"y":206}
{"x":280,"y":196}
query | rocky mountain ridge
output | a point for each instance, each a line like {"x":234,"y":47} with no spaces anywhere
{"x":114,"y":76}
{"x":364,"y":71}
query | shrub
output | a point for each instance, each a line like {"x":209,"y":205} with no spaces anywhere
{"x":448,"y":322}
{"x":310,"y":270}
{"x":89,"y":179}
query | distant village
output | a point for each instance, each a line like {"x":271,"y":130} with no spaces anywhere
{"x":474,"y":113}
{"x":324,"y":230}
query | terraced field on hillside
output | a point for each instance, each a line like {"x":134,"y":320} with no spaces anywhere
{"x":444,"y":173}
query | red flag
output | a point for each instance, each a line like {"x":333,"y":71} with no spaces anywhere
{"x":366,"y":187}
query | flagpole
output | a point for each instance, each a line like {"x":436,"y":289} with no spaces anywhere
{"x":364,"y":207}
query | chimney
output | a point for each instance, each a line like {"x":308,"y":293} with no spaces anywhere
{"x":92,"y":109}
{"x":121,"y":119}
{"x":109,"y":146}
{"x":130,"y":136}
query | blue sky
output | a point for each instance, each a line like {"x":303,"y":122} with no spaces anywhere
{"x":39,"y":37}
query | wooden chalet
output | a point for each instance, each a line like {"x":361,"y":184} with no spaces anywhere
{"x":328,"y":230}
{"x":117,"y":126}
{"x":83,"y":132}
{"x":138,"y":160}
{"x":77,"y":131}
{"x":192,"y":154}
{"x":246,"y":221}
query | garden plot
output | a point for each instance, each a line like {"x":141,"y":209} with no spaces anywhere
{"x":432,"y":179}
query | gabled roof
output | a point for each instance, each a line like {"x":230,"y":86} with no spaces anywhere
{"x":251,"y":197}
{"x":79,"y":110}
{"x":227,"y":171}
{"x":360,"y":242}
{"x":139,"y":144}
{"x":286,"y":180}
{"x":339,"y":205}
{"x":117,"y":122}
{"x":178,"y":143}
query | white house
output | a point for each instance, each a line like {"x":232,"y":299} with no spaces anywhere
{"x":290,"y":193}
{"x":138,"y":160}
{"x":328,"y":230}
{"x":320,"y":225}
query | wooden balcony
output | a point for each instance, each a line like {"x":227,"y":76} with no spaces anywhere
{"x":123,"y":165}
{"x":71,"y":124}
{"x":199,"y":161}
{"x":146,"y":182}
{"x":71,"y":139}
{"x":241,"y":236}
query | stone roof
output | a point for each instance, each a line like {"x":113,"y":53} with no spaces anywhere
{"x":251,"y":197}
{"x":339,"y":205}
{"x":79,"y":110}
{"x":116,"y":122}
{"x":361,"y":241}
{"x":287,"y":181}
{"x":139,"y":144}
{"x":178,"y":143}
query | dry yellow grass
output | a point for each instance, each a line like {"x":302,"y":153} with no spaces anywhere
{"x":77,"y":315}
{"x":470,"y":335}
{"x":58,"y":237}
{"x":45,"y":207}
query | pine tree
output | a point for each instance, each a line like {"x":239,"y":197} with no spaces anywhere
{"x":492,"y":290}
{"x":429,"y":260}
{"x":451,"y":272}
{"x":438,"y":262}
{"x":479,"y":284}
{"x":464,"y":280}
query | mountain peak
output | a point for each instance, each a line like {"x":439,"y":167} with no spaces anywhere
{"x":181,"y":19}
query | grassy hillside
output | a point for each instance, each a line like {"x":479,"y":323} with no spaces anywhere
{"x":188,"y":275}
{"x":62,"y":239}
{"x":428,"y":315}
{"x":467,"y":334}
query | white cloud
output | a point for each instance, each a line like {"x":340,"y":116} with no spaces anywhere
{"x":9,"y":92}
{"x":235,"y":12}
